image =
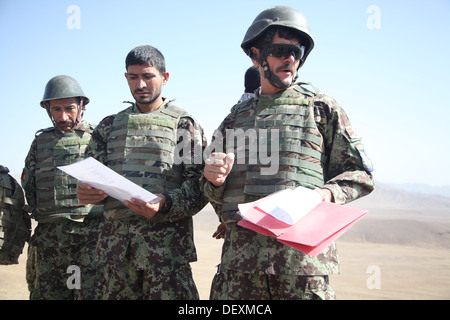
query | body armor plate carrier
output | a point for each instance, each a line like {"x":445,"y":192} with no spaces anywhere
{"x":15,"y":222}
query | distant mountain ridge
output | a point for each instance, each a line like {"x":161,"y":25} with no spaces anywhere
{"x":397,"y":216}
{"x":400,"y":199}
{"x":392,"y":200}
{"x":423,"y":188}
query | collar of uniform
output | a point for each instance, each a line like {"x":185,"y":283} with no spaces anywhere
{"x":135,"y":109}
{"x":83,"y":126}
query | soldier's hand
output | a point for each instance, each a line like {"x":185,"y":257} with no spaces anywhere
{"x":88,"y":195}
{"x":220,"y":232}
{"x":146,"y":209}
{"x":326,"y":194}
{"x":217,"y":167}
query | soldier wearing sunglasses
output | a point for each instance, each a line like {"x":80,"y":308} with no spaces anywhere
{"x":318,"y":149}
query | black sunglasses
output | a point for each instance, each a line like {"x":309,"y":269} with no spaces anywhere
{"x":284,"y":50}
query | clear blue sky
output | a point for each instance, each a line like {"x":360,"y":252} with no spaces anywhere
{"x":386,"y":62}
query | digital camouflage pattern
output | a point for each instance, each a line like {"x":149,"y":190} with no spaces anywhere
{"x":285,"y":123}
{"x":345,"y":175}
{"x":15,"y":222}
{"x":146,"y":261}
{"x":67,"y":232}
{"x":145,"y":258}
{"x":52,"y":192}
{"x":229,"y":285}
{"x":144,"y":148}
{"x":54,"y":247}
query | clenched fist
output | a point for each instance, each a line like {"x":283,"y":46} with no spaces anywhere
{"x":217,"y":167}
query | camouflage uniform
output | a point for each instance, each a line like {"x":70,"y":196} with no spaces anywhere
{"x":149,"y":258}
{"x":67,"y":231}
{"x":15,"y":222}
{"x":318,"y":148}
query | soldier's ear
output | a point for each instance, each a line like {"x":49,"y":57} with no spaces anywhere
{"x":255,"y":53}
{"x":165,"y":77}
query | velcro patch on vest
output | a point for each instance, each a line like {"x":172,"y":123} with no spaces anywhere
{"x":138,"y":122}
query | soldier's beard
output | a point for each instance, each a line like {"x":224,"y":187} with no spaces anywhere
{"x":146,"y":100}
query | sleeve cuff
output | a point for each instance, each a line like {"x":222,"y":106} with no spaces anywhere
{"x":167,"y":204}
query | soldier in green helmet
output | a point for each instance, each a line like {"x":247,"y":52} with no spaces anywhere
{"x":60,"y":264}
{"x":317,"y":149}
{"x":145,"y":249}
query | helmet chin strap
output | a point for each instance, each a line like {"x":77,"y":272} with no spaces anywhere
{"x":80,"y":113}
{"x":273,"y":79}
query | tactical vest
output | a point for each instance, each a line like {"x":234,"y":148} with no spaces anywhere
{"x":56,"y":192}
{"x":15,"y":223}
{"x":141,"y":147}
{"x":282,"y":124}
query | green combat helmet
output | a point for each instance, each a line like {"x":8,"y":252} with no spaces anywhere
{"x":61,"y":87}
{"x":278,"y":16}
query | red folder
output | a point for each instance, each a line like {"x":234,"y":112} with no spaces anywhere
{"x":311,"y":234}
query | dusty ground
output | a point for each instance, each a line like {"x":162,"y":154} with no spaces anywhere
{"x":405,"y":272}
{"x":400,"y":271}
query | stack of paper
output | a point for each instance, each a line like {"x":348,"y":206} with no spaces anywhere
{"x":299,"y":218}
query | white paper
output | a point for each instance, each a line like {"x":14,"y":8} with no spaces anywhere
{"x":99,"y":176}
{"x":290,"y":205}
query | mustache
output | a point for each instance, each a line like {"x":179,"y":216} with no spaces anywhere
{"x":141,"y":90}
{"x":288,"y":66}
{"x":65,"y":122}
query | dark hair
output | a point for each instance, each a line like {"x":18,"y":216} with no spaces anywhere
{"x":146,"y":54}
{"x":252,"y":79}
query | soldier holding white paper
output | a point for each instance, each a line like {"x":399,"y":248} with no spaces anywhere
{"x":318,"y":149}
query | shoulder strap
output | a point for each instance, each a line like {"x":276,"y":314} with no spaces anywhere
{"x":172,"y":110}
{"x":303,"y":88}
{"x":243,"y":106}
{"x":43,"y":130}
